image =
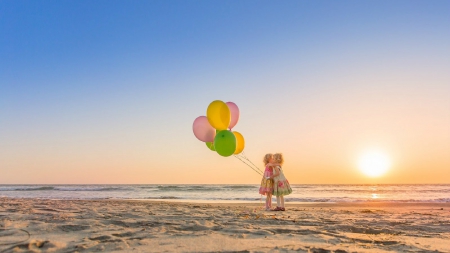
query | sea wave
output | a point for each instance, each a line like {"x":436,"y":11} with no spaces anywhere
{"x":56,"y":188}
{"x":207,"y":188}
{"x":92,"y":189}
{"x":379,"y":191}
{"x":243,"y":187}
{"x":43,"y":188}
{"x":188,"y":188}
{"x":164,"y":197}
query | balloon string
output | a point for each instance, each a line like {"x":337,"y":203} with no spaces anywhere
{"x":251,"y":164}
{"x":240,"y":159}
{"x":248,"y":165}
{"x":243,"y":156}
{"x":246,"y":158}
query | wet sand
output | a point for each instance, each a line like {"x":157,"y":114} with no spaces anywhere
{"x":36,"y":225}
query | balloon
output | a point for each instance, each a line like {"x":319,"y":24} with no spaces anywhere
{"x":234,"y":111}
{"x":218,"y":115}
{"x":240,"y":142}
{"x":210,"y":145}
{"x":225,"y":143}
{"x":203,"y":130}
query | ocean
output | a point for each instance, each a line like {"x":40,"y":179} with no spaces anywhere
{"x":234,"y":193}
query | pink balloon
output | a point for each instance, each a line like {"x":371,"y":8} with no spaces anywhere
{"x":234,"y":110}
{"x":203,"y":130}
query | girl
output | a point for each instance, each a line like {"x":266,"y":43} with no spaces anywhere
{"x":281,"y":185}
{"x":266,"y":187}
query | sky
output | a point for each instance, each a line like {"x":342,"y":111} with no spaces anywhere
{"x":105,"y":92}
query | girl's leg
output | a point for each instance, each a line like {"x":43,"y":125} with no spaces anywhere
{"x":282,"y":201}
{"x":269,"y":201}
{"x":278,"y":201}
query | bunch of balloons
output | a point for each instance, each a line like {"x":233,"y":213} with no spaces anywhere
{"x":215,"y":129}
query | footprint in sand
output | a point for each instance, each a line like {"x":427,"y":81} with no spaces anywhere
{"x":13,"y":236}
{"x":73,"y":228}
{"x":37,"y":246}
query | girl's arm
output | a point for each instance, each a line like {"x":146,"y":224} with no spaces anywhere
{"x":277,"y":172}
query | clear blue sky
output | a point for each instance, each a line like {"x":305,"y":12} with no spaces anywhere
{"x":110,"y":89}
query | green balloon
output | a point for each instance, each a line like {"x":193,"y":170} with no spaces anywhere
{"x":225,"y":143}
{"x":210,"y":145}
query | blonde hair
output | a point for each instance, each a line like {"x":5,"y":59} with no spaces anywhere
{"x":278,"y":157}
{"x":267,"y":158}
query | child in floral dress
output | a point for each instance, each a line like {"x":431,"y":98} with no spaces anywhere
{"x":281,"y":185}
{"x":266,"y":187}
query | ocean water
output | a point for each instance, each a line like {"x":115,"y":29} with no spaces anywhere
{"x":233,"y":193}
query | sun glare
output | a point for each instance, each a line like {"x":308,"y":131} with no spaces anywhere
{"x":374,"y":164}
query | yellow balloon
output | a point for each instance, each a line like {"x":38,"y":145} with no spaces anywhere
{"x":240,"y":142}
{"x":218,"y":115}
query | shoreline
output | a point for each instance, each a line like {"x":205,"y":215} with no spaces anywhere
{"x":295,"y":204}
{"x":250,"y":203}
{"x":157,"y":226}
{"x":302,"y":194}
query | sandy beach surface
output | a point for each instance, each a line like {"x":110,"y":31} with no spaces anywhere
{"x":37,"y":225}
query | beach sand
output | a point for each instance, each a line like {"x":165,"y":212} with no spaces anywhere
{"x":36,"y":225}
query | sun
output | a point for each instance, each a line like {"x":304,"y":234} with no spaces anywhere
{"x":374,"y":163}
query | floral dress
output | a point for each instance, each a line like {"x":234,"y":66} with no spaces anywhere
{"x":266,"y":184}
{"x":281,"y":185}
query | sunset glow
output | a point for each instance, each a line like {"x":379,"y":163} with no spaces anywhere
{"x":374,"y":163}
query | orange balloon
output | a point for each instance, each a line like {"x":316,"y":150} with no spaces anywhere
{"x":240,"y":142}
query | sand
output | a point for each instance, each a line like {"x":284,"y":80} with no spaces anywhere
{"x":36,"y":225}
